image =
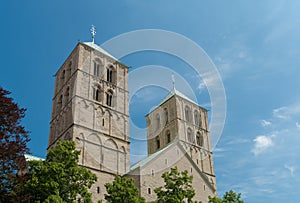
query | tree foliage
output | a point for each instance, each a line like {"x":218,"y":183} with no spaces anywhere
{"x":13,"y":145}
{"x":59,"y":178}
{"x":177,"y":189}
{"x":122,"y":190}
{"x":228,"y":197}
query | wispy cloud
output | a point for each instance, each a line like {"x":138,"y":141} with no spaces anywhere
{"x":290,"y":168}
{"x":282,"y":112}
{"x":265,"y":123}
{"x":261,"y":143}
{"x":298,"y":125}
{"x":231,"y":57}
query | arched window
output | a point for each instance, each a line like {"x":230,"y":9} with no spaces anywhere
{"x":59,"y":103}
{"x":97,"y":93}
{"x":190,"y":135}
{"x":97,"y":67}
{"x":63,"y":74}
{"x":187,"y":111}
{"x":109,"y":96}
{"x":166,"y":115}
{"x":197,"y":118}
{"x":110,"y":76}
{"x":168,"y":136}
{"x":67,"y":94}
{"x":69,"y":69}
{"x":199,"y":138}
{"x":157,"y":142}
{"x":157,"y":121}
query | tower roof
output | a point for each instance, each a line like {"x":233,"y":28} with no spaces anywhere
{"x":172,"y":93}
{"x":98,"y":48}
{"x":175,"y":92}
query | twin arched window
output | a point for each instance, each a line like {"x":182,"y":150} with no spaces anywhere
{"x":191,"y":138}
{"x":110,"y":74}
{"x":98,"y":95}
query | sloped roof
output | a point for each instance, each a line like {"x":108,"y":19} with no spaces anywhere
{"x":98,"y":48}
{"x":173,"y":92}
{"x":149,"y":158}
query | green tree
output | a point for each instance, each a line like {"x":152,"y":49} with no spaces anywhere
{"x":59,"y":178}
{"x":228,"y":197}
{"x":122,"y":190}
{"x":13,"y":145}
{"x":177,"y":189}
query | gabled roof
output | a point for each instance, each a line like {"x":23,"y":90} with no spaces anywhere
{"x":172,"y":93}
{"x":149,"y":158}
{"x":152,"y":157}
{"x":175,"y":92}
{"x":98,"y":48}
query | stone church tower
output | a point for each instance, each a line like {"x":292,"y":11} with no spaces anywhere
{"x":90,"y":107}
{"x":178,"y":135}
{"x":178,"y":118}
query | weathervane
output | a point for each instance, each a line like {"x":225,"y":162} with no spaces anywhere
{"x":173,"y":81}
{"x":93,"y":32}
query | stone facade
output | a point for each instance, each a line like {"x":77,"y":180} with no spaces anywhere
{"x":147,"y":173}
{"x":178,"y":135}
{"x":90,"y":107}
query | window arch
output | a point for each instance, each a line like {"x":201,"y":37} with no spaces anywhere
{"x":63,"y":74}
{"x":187,"y":111}
{"x":109,"y":98}
{"x":59,"y":103}
{"x":69,"y":69}
{"x":110,"y":74}
{"x":157,"y":118}
{"x":197,"y":117}
{"x":97,"y":93}
{"x":97,"y":67}
{"x":168,"y":136}
{"x":67,"y":94}
{"x":190,"y":135}
{"x":199,"y":139}
{"x":157,"y":142}
{"x":166,"y":113}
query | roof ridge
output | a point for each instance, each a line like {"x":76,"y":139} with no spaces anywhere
{"x":100,"y":49}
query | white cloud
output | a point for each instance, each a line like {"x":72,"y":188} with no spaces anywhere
{"x":265,"y":123}
{"x":287,"y":112}
{"x":290,"y":168}
{"x":298,"y":125}
{"x":261,"y":143}
{"x":281,"y":112}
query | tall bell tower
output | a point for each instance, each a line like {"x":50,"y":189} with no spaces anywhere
{"x":179,"y":119}
{"x":90,"y":107}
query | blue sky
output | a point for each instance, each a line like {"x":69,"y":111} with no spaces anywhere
{"x":254,"y":45}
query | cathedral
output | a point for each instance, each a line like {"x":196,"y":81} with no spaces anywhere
{"x":91,"y":107}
